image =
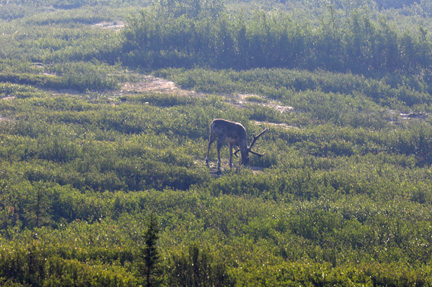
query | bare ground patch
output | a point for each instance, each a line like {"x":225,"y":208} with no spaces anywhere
{"x":241,"y":99}
{"x":115,"y":25}
{"x":154,"y":84}
{"x":279,"y":125}
{"x":8,"y":98}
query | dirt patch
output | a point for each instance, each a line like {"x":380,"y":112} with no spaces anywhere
{"x":156,"y":85}
{"x":116,"y":25}
{"x":241,"y":99}
{"x":3,"y":119}
{"x":413,"y":116}
{"x":280,"y":125}
{"x":397,"y":117}
{"x":280,"y":108}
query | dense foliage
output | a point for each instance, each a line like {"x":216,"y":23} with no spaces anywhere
{"x":103,"y":183}
{"x":209,"y":38}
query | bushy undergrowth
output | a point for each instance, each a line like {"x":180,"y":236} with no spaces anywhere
{"x":351,"y":201}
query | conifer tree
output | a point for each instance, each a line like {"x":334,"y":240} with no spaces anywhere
{"x":149,"y":268}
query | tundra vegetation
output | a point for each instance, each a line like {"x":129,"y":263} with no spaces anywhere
{"x":103,"y":180}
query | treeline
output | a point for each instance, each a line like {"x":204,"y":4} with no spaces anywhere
{"x":360,"y":44}
{"x":208,"y":34}
{"x":69,"y":4}
{"x":378,"y":4}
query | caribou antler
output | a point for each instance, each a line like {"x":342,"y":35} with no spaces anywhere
{"x":252,"y":144}
{"x":254,"y":140}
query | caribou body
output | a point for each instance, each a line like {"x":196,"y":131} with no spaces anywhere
{"x":234,"y":134}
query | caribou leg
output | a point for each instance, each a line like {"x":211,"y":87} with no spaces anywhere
{"x":211,"y":140}
{"x":231,"y":154}
{"x":219,"y":146}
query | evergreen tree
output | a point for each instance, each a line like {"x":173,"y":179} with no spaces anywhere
{"x":149,"y":267}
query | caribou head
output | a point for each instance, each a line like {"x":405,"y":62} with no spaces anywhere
{"x":233,"y":134}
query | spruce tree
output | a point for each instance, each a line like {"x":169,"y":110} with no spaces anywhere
{"x":149,"y":254}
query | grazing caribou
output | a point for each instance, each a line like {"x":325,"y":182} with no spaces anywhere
{"x":231,"y":133}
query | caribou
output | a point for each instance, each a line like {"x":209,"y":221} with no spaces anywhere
{"x":233,"y":134}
